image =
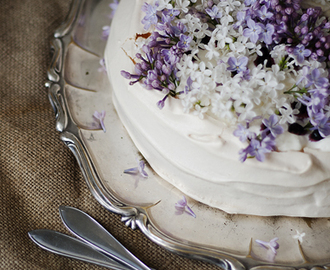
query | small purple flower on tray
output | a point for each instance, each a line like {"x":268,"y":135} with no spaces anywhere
{"x":113,"y":6}
{"x":272,"y":244}
{"x":182,"y":207}
{"x":99,"y":116}
{"x":102,"y":67}
{"x":138,"y":170}
{"x":105,"y":32}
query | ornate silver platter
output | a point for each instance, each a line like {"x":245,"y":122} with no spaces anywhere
{"x":78,"y":86}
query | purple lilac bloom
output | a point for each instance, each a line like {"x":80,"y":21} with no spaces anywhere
{"x":252,"y":31}
{"x":267,"y":33}
{"x":323,"y":127}
{"x":100,"y":117}
{"x":188,"y":86}
{"x":300,"y":52}
{"x":272,"y":126}
{"x":214,"y":13}
{"x":243,"y":133}
{"x":161,"y":103}
{"x":240,"y":18}
{"x":243,"y":153}
{"x":138,"y":170}
{"x":171,"y":13}
{"x":304,"y":74}
{"x":113,"y":6}
{"x":105,"y":32}
{"x":268,"y":143}
{"x":102,"y":67}
{"x":170,"y":56}
{"x":257,"y":149}
{"x":237,"y":65}
{"x":264,"y":14}
{"x":182,"y":207}
{"x":249,"y":2}
{"x":314,"y":103}
{"x":151,"y":16}
{"x":272,"y":244}
{"x":316,"y":118}
{"x":184,"y":42}
{"x":316,"y":79}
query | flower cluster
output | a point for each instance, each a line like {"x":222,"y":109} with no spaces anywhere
{"x":249,"y":63}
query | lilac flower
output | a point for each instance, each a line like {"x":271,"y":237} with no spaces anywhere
{"x":139,"y":169}
{"x":323,"y":127}
{"x":240,"y":18}
{"x":304,"y":74}
{"x":171,"y":13}
{"x":105,"y":32}
{"x":170,"y":56}
{"x":268,"y":143}
{"x":314,"y":103}
{"x":243,"y":133}
{"x":151,"y":16}
{"x":300,"y":52}
{"x":299,"y":236}
{"x":243,"y":153}
{"x":184,"y":42}
{"x":272,"y":244}
{"x":161,"y":103}
{"x":214,"y":13}
{"x":113,"y":6}
{"x":272,"y":126}
{"x":100,"y":117}
{"x":252,"y":31}
{"x":182,"y":207}
{"x":316,"y":79}
{"x":267,"y":33}
{"x":188,"y":86}
{"x":102,"y":67}
{"x":249,"y":2}
{"x":237,"y":65}
{"x":263,"y":13}
{"x":257,"y":149}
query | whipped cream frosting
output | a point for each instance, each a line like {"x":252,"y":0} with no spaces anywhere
{"x":200,"y":157}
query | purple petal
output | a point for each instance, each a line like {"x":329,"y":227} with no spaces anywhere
{"x":134,"y":170}
{"x":141,"y":169}
{"x":190,"y":212}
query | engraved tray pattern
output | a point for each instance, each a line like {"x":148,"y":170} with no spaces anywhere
{"x":77,"y":87}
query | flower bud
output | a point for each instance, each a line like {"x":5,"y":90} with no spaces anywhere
{"x":304,"y":17}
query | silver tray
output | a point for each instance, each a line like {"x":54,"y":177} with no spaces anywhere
{"x":78,"y":86}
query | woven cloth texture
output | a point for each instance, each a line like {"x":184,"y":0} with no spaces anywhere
{"x":38,"y":173}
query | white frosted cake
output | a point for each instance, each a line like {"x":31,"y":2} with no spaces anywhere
{"x":228,"y":123}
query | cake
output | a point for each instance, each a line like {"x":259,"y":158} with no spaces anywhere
{"x":235,"y":127}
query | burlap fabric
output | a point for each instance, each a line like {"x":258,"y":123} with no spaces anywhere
{"x":38,"y":173}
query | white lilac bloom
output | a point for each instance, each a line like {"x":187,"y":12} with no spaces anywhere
{"x":299,"y":236}
{"x":224,"y":59}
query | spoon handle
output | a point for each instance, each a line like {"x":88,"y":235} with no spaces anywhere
{"x":68,"y":246}
{"x":90,"y":231}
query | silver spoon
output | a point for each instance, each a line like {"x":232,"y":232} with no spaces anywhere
{"x":71,"y":247}
{"x":90,"y":231}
